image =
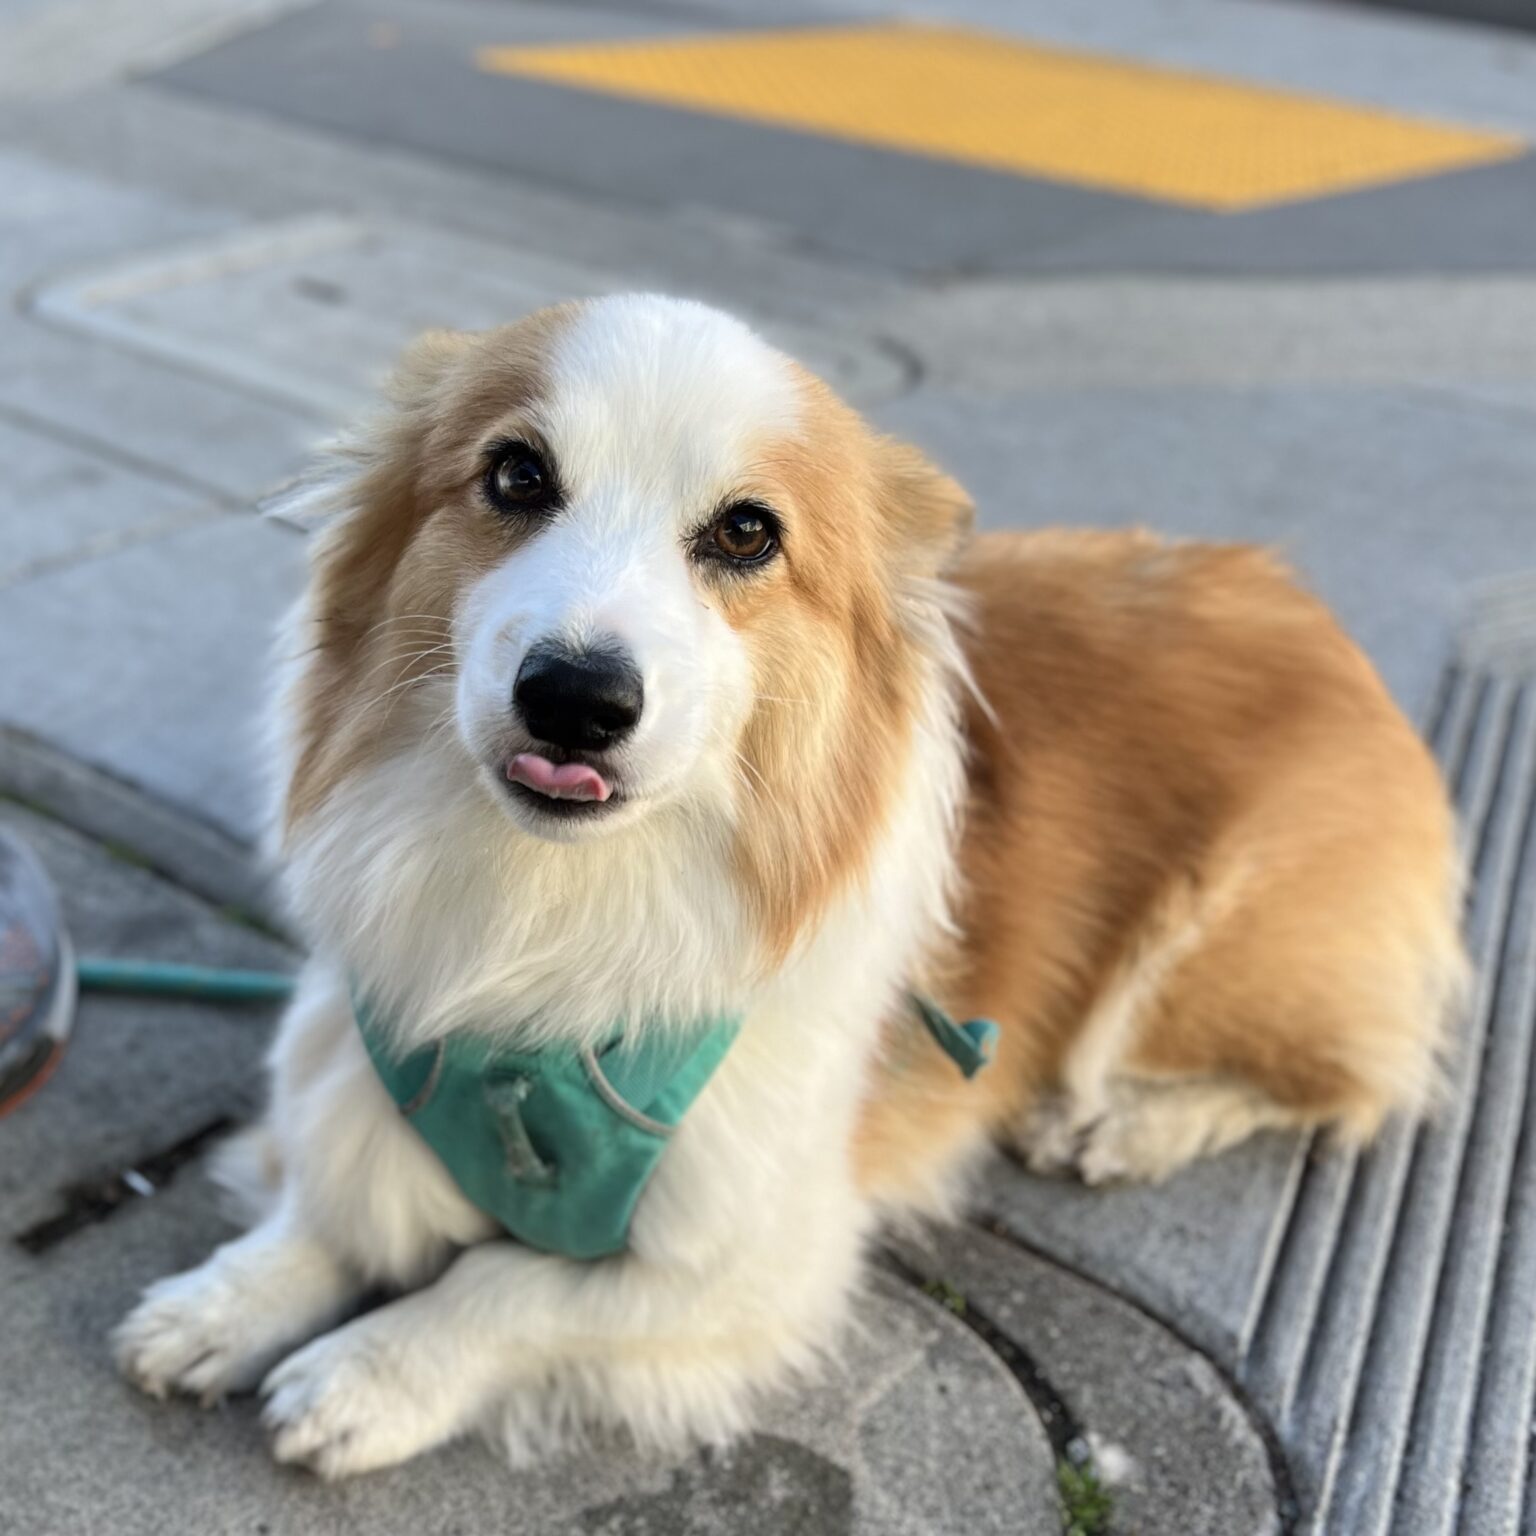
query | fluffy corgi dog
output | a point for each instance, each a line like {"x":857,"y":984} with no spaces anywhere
{"x":666,"y":769}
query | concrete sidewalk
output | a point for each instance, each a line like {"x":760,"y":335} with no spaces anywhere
{"x":220,"y":221}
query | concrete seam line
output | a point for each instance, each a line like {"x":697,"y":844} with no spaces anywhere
{"x":174,"y":845}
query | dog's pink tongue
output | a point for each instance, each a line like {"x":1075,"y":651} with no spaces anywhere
{"x":563,"y":781}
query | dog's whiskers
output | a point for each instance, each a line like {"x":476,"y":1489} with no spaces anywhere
{"x":416,"y":632}
{"x":440,"y":727}
{"x":406,"y":659}
{"x":741,"y":762}
{"x":401,"y":618}
{"x":439,"y":625}
{"x":751,"y":768}
{"x":408,"y":683}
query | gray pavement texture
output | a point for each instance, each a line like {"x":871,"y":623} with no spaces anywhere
{"x":219,"y":219}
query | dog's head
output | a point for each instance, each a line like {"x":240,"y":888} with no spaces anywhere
{"x":630,"y":562}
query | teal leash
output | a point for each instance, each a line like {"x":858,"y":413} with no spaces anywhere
{"x":970,"y":1045}
{"x":157,"y":978}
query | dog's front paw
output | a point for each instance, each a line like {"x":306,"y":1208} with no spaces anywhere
{"x":191,"y":1333}
{"x":348,"y":1403}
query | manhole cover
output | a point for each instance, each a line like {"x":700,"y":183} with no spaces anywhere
{"x":313,"y":312}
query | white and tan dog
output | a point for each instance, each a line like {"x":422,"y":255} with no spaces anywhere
{"x":640,"y":680}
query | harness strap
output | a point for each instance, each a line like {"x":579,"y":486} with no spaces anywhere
{"x":970,"y":1045}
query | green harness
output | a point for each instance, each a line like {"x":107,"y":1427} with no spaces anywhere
{"x":557,"y":1145}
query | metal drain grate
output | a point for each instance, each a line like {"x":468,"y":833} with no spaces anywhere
{"x":1395,"y":1351}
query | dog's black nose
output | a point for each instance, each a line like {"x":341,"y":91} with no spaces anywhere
{"x":587,"y":700}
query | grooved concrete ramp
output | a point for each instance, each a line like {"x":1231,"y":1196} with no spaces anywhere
{"x":1376,"y":1311}
{"x":1396,"y":1268}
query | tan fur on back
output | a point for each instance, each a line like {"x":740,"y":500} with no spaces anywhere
{"x":1202,"y":843}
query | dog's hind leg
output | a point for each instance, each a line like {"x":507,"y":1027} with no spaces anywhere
{"x":1092,"y":1100}
{"x":1305,"y":997}
{"x":1148,"y":1130}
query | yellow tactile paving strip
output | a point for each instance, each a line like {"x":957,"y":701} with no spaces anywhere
{"x":1010,"y":106}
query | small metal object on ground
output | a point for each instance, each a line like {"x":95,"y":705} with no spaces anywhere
{"x":37,"y":976}
{"x":40,"y":978}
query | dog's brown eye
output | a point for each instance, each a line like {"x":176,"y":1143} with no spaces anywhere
{"x":519,"y":480}
{"x":745,"y":533}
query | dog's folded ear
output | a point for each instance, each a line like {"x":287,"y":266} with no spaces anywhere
{"x":326,"y":487}
{"x":930,"y":514}
{"x":423,"y":366}
{"x":311,"y":499}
